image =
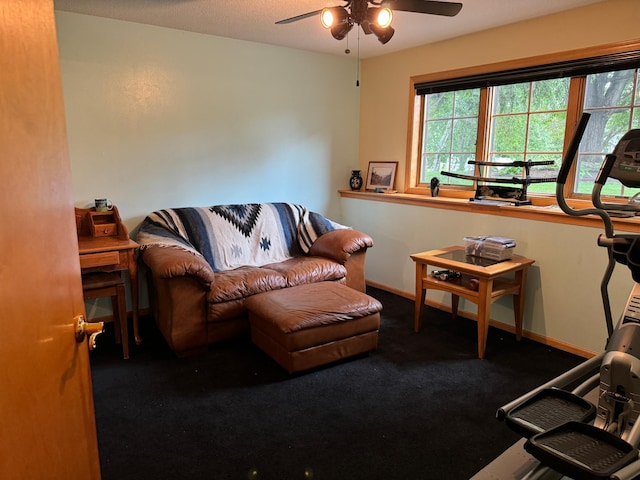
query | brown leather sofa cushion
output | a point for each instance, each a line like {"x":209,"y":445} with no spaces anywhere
{"x":303,"y":270}
{"x":243,"y":282}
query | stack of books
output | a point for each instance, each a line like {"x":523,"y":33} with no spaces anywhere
{"x":491,"y":247}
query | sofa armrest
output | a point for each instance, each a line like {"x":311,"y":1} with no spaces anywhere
{"x":348,"y":247}
{"x":168,"y":262}
{"x":178,"y":285}
{"x":340,"y":244}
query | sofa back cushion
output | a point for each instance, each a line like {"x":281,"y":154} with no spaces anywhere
{"x":230,"y":236}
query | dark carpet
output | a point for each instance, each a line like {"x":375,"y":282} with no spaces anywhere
{"x":422,"y":406}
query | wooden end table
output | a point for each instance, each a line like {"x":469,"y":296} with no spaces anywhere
{"x":493,"y":282}
{"x":111,"y":254}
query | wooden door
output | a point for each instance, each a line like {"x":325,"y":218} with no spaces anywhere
{"x":46,"y":404}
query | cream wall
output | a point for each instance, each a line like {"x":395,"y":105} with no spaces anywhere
{"x":563,"y":292}
{"x":160,"y":118}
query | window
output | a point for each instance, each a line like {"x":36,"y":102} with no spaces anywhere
{"x":450,"y":131}
{"x":527,"y":123}
{"x":613,"y":100}
{"x":466,"y":124}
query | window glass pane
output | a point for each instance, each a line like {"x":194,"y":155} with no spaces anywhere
{"x":440,"y":105}
{"x":465,"y":133}
{"x":609,"y":89}
{"x":509,"y":133}
{"x":435,"y":164}
{"x":611,"y":99}
{"x":450,"y":135}
{"x":545,"y":171}
{"x":459,"y":164}
{"x":546,"y":132}
{"x":506,"y":171}
{"x":618,"y":123}
{"x":550,"y":95}
{"x":511,"y":98}
{"x":438,"y":136}
{"x":467,"y":103}
{"x":588,"y":167}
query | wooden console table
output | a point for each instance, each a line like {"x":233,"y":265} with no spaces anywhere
{"x":104,"y":246}
{"x":493,"y":281}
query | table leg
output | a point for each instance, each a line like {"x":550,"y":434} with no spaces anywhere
{"x":421,"y":294}
{"x":123,"y":325}
{"x":455,"y":301}
{"x":518,"y":300}
{"x":133,"y":277}
{"x":485,"y":288}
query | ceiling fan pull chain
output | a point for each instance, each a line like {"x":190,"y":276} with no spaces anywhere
{"x":358,"y":62}
{"x":347,"y":50}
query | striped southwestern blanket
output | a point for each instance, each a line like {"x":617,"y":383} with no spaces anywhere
{"x":230,"y":236}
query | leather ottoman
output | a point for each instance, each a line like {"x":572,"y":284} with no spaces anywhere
{"x":311,"y":325}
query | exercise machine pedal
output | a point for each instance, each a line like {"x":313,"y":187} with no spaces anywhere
{"x":581,"y":451}
{"x":547,"y":409}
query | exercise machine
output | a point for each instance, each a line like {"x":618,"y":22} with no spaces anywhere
{"x":569,"y":435}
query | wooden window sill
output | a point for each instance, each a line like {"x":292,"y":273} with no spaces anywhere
{"x":550,"y":213}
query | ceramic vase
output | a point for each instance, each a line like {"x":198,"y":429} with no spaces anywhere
{"x":355,"y":182}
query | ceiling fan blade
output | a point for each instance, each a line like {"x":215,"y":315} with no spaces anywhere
{"x":299,"y":17}
{"x":448,"y":9}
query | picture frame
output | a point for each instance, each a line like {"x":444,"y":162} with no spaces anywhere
{"x":381,"y":176}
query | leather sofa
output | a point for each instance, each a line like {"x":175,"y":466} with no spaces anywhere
{"x":202,"y":263}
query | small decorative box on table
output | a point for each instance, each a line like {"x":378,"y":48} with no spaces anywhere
{"x":493,"y":248}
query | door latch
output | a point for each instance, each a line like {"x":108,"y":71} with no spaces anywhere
{"x":84,"y":328}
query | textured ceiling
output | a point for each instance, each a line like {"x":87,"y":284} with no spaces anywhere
{"x":254,"y":20}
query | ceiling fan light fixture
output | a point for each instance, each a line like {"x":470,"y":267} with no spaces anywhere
{"x":383,"y":34}
{"x":332,"y":16}
{"x":326,"y":18}
{"x":383,"y":17}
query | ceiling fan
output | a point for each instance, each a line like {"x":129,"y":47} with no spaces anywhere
{"x":373,"y":16}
